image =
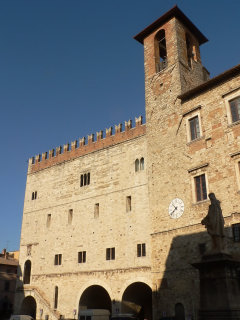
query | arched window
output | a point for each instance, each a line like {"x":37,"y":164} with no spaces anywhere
{"x":56,"y":297}
{"x":179,"y":311}
{"x":160,"y":51}
{"x":142,"y":164}
{"x":136,"y":165}
{"x":189,"y":50}
{"x":27,"y":272}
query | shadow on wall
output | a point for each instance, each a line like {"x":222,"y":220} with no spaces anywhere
{"x":177,"y":287}
{"x":136,"y":300}
{"x":177,"y":283}
{"x":24,"y":304}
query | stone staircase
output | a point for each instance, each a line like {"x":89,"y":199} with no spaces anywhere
{"x":41,"y":299}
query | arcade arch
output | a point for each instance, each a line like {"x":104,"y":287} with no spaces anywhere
{"x":95,"y":297}
{"x":137,"y":299}
{"x":29,"y":307}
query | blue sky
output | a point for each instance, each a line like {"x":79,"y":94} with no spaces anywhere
{"x":71,"y":68}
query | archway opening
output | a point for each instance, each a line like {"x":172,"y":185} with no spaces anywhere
{"x":137,"y":299}
{"x":95,"y":297}
{"x":27,"y":272}
{"x":179,"y":311}
{"x":29,"y":307}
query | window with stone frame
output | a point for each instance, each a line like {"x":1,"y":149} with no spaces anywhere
{"x":236,"y":232}
{"x":58,"y":259}
{"x":235,"y":109}
{"x":110,"y":254}
{"x":141,"y":250}
{"x":82,"y":256}
{"x":194,"y":128}
{"x":85,"y":179}
{"x":200,"y":187}
{"x":34,"y":195}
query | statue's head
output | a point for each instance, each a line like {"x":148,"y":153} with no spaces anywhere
{"x":212,"y":196}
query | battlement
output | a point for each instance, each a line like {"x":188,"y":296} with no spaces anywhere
{"x":79,"y":147}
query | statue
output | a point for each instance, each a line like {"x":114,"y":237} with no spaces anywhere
{"x":214,"y":223}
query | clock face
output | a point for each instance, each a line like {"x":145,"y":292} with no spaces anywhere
{"x":176,"y":208}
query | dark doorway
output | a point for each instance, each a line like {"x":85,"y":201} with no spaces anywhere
{"x":29,"y":307}
{"x":137,"y":299}
{"x":179,"y":311}
{"x":95,"y":297}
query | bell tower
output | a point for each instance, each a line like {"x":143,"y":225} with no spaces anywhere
{"x":172,"y":41}
{"x":173,"y":66}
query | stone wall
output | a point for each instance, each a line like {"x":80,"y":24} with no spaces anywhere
{"x":112,"y":179}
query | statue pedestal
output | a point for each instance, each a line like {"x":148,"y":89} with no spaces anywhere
{"x":219,"y":287}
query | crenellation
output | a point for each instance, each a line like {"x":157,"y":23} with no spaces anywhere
{"x":66,"y":147}
{"x":109,"y":132}
{"x":51,"y":153}
{"x":44,"y":155}
{"x":91,"y":138}
{"x":118,"y":128}
{"x":48,"y":159}
{"x":138,"y":121}
{"x":74,"y":145}
{"x":82,"y":142}
{"x":58,"y":150}
{"x":128,"y":125}
{"x":38,"y":158}
{"x":99,"y":135}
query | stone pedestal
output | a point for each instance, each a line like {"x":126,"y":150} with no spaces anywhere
{"x":219,"y":287}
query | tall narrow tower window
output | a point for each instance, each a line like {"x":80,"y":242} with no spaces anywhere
{"x":189,"y":50}
{"x":160,"y":51}
{"x":56,"y":297}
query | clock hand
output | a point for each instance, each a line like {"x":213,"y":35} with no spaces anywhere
{"x":173,"y":210}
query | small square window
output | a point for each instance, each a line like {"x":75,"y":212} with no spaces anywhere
{"x":236,"y":232}
{"x":194,"y":128}
{"x":82,"y":257}
{"x":34,"y":195}
{"x":110,"y":254}
{"x":235,"y":109}
{"x":200,"y":187}
{"x":141,"y":250}
{"x":85,"y":179}
{"x":58,"y":259}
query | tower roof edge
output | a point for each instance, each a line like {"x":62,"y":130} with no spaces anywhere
{"x":174,"y":12}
